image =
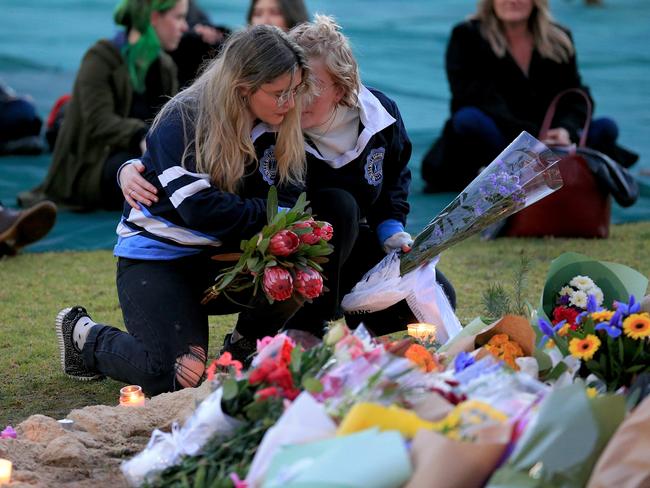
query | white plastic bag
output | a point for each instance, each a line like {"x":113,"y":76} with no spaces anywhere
{"x":165,"y":449}
{"x":383,"y":286}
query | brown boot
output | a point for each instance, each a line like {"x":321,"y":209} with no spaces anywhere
{"x":18,"y":228}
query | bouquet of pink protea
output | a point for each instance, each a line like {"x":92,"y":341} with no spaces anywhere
{"x":284,"y":258}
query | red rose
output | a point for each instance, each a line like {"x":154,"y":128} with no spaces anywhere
{"x":565,"y":313}
{"x":265,"y":393}
{"x":281,"y":377}
{"x":285,"y":352}
{"x":308,"y":282}
{"x":261,"y":373}
{"x":283,"y":243}
{"x":277,"y":283}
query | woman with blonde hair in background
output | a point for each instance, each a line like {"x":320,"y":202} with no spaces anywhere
{"x":211,"y":194}
{"x":505,"y":65}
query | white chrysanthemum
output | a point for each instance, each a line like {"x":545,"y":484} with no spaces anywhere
{"x":579,"y":299}
{"x":567,"y":290}
{"x":582,"y":282}
{"x":598,"y":295}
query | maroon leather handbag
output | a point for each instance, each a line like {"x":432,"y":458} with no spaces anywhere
{"x":580,"y":208}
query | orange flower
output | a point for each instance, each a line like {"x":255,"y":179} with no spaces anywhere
{"x":498,"y":339}
{"x":419,"y":355}
{"x":502,"y":348}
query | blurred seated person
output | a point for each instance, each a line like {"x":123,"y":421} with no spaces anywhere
{"x":505,"y":65}
{"x":121,"y":84}
{"x":20,"y":125}
{"x":199,"y":44}
{"x":285,"y":14}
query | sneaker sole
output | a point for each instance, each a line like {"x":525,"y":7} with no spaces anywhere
{"x":59,"y":335}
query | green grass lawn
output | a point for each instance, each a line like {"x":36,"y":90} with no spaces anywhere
{"x":34,"y":287}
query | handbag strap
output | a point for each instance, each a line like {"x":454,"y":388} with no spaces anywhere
{"x":550,"y":113}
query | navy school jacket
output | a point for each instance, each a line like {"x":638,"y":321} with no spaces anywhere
{"x":375,"y":172}
{"x":191,"y":215}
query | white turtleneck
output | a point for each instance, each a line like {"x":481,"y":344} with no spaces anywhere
{"x":338,"y":135}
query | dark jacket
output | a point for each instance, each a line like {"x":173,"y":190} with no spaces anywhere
{"x":499,"y":88}
{"x":96,"y":124}
{"x":376,"y":172}
{"x":191,"y":214}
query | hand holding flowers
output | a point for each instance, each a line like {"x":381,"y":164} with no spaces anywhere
{"x":284,"y":258}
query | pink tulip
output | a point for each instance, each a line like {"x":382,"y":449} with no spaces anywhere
{"x":309,"y":283}
{"x":283,"y":243}
{"x":277,"y":283}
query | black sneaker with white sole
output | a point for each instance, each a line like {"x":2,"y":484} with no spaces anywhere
{"x":71,"y":358}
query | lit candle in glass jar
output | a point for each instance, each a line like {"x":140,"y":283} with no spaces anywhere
{"x":5,"y":471}
{"x":132,"y":396}
{"x":422,"y":331}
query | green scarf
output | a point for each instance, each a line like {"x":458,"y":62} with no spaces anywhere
{"x":136,"y":14}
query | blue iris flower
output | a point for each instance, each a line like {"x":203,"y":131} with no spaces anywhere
{"x":592,"y":307}
{"x":614,"y":326}
{"x":628,"y":308}
{"x":463,"y":360}
{"x":548,"y":330}
{"x":612,"y":331}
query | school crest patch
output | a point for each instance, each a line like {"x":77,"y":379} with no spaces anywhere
{"x":269,"y":166}
{"x":374,"y":169}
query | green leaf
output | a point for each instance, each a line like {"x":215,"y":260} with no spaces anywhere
{"x":636,"y":368}
{"x":557,"y":371}
{"x":272,"y":204}
{"x":252,"y":263}
{"x":296,"y":359}
{"x":301,"y":203}
{"x":263,"y":245}
{"x":230,"y":389}
{"x":311,"y":384}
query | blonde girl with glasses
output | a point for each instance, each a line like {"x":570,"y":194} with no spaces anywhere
{"x":211,"y":193}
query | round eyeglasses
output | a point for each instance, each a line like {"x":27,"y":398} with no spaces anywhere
{"x":284,"y":97}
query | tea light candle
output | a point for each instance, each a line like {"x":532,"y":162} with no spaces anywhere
{"x":132,"y":396}
{"x":5,"y":471}
{"x":422,"y":331}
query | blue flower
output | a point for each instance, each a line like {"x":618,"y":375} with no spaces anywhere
{"x":612,"y":331}
{"x":548,"y":330}
{"x":628,"y":308}
{"x":462,"y":361}
{"x":592,"y":304}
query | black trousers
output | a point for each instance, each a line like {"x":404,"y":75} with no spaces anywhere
{"x":356,"y":250}
{"x":161,"y":305}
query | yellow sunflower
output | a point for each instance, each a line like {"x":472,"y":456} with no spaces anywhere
{"x":601,"y":316}
{"x":584,"y":348}
{"x":637,"y":325}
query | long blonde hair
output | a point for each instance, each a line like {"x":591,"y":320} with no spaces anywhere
{"x":215,"y":106}
{"x":550,"y":40}
{"x":324,"y":40}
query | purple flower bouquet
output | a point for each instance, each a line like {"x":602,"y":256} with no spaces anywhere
{"x":522,"y":174}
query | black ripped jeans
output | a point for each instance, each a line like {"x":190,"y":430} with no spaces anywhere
{"x":161,"y":305}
